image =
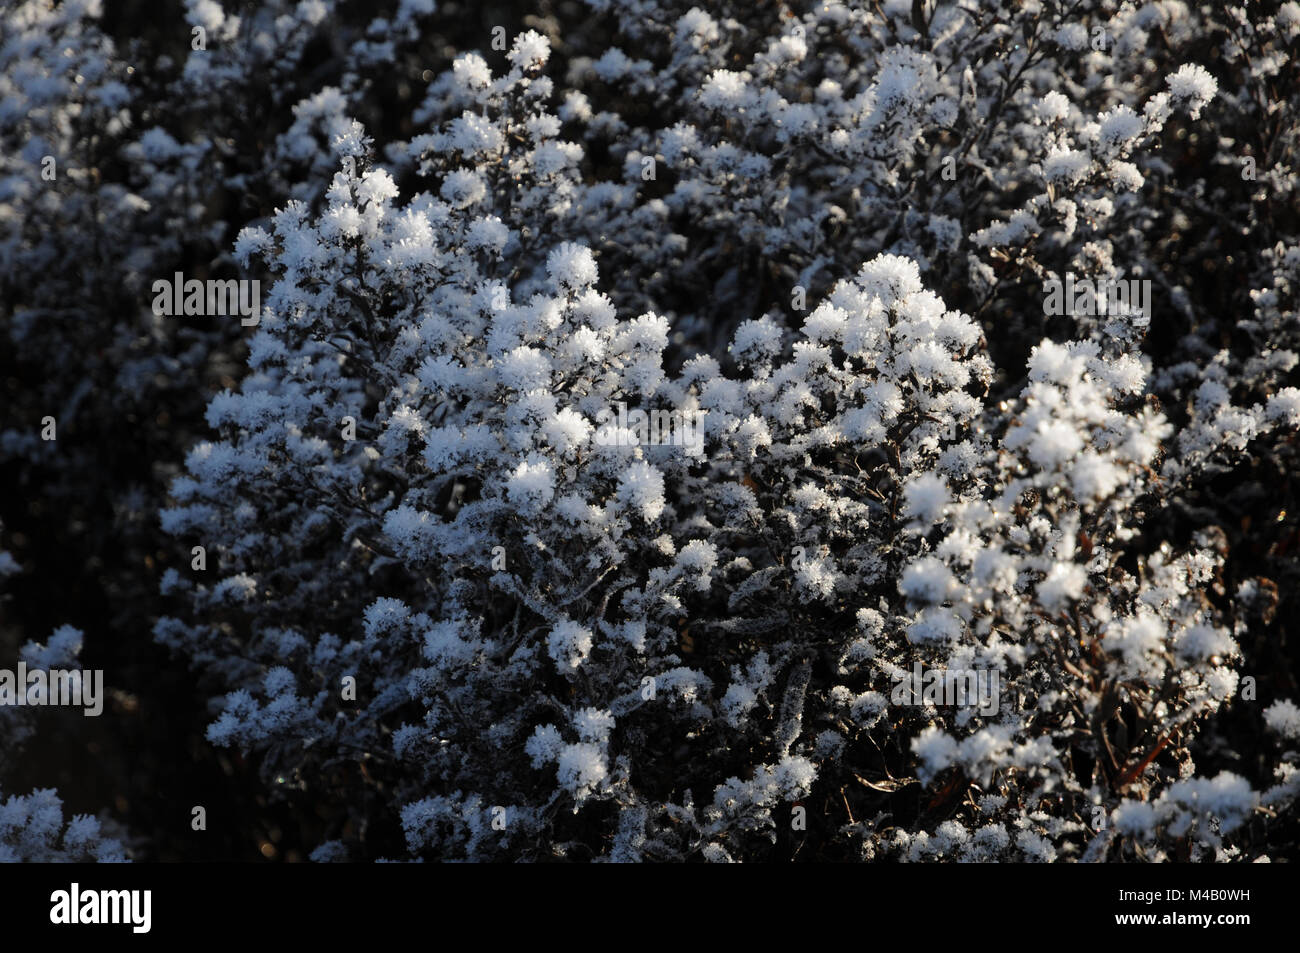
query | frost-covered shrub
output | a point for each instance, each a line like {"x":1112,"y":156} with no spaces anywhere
{"x":993,"y":145}
{"x":639,"y":400}
{"x":33,"y":830}
{"x":32,"y":826}
{"x":534,"y":616}
{"x":125,"y":159}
